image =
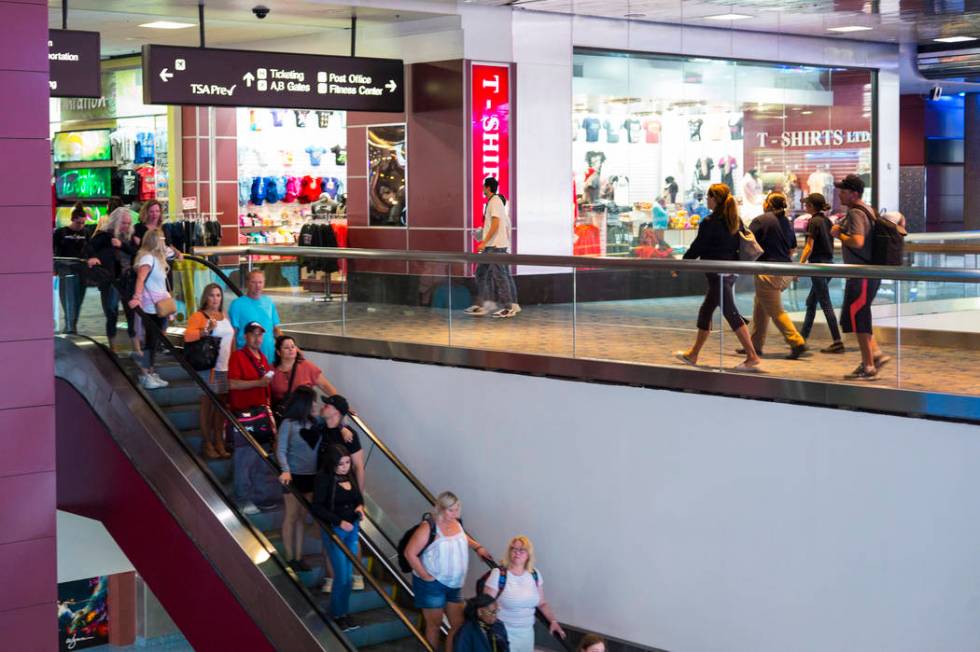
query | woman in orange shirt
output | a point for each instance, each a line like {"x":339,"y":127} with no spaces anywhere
{"x":211,"y":320}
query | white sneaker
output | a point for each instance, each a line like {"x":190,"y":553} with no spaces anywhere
{"x":327,"y":585}
{"x":249,"y":509}
{"x":506,"y":313}
{"x":476,"y":311}
{"x":149,"y":382}
{"x":357,"y":583}
{"x":516,"y":308}
{"x":160,"y":381}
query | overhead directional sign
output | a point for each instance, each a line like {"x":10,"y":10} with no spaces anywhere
{"x":216,"y":77}
{"x":73,"y":63}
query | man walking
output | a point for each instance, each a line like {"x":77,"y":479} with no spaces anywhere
{"x":254,"y":306}
{"x":856,"y":234}
{"x":69,"y":242}
{"x":496,"y":290}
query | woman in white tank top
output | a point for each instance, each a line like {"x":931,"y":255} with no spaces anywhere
{"x":439,"y":567}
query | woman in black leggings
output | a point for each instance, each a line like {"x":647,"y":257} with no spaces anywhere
{"x":718,"y":239}
{"x":110,"y":253}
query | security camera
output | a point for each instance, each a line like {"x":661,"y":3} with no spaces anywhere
{"x":935,"y":92}
{"x":260,"y":11}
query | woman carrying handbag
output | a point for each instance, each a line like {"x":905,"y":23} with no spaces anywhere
{"x":152,"y":296}
{"x":208,"y":342}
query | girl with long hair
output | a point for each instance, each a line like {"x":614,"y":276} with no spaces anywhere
{"x":718,"y":239}
{"x":297,"y":448}
{"x":151,"y":288}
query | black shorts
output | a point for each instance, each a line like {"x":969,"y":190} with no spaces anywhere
{"x":855,"y":314}
{"x":303,"y":482}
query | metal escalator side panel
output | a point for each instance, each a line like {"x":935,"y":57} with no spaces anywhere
{"x":119,"y":463}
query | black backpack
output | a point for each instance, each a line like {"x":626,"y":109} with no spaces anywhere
{"x":887,"y":241}
{"x":403,"y":542}
{"x":501,"y":581}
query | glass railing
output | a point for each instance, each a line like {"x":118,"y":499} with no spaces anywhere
{"x":646,"y":312}
{"x":382,"y":612}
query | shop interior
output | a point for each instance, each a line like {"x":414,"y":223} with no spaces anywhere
{"x":651,"y":133}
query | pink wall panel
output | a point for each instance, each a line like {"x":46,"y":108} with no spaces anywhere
{"x":22,"y":120}
{"x":19,"y":453}
{"x":188,"y":120}
{"x":32,"y":514}
{"x":226,"y":153}
{"x":32,"y":628}
{"x":357,"y":151}
{"x":34,"y":360}
{"x":26,"y":575}
{"x":188,"y":149}
{"x":357,"y":206}
{"x":25,"y":171}
{"x":225,"y":122}
{"x":18,"y":290}
{"x":25,"y":36}
{"x":25,"y":230}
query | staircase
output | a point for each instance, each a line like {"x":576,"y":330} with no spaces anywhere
{"x":379,"y":627}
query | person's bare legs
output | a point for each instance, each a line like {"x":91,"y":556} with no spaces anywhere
{"x":751,"y":356}
{"x":699,"y":341}
{"x":454,"y":611}
{"x":205,"y":421}
{"x":433,"y":621}
{"x":291,"y":511}
{"x":867,"y":345}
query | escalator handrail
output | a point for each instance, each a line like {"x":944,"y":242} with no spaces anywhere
{"x":394,"y":459}
{"x":217,"y":271}
{"x":201,"y":465}
{"x":263,"y":454}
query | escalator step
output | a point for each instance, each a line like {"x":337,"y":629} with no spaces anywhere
{"x":184,"y":416}
{"x":179,"y":392}
{"x":377,"y":627}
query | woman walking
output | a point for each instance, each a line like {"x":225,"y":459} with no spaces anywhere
{"x":517,"y":586}
{"x":819,"y":248}
{"x":210,"y":320}
{"x":110,"y":255}
{"x":718,"y":239}
{"x":151,"y":295}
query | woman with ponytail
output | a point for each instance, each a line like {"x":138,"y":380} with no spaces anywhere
{"x":718,"y":239}
{"x":775,"y":235}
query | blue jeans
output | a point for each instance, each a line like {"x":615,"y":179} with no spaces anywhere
{"x":71,"y":291}
{"x":343,"y":569}
{"x":494,"y":282}
{"x":820,"y":295}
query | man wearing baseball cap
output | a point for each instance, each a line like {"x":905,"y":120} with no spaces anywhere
{"x":249,"y":370}
{"x":855,"y":232}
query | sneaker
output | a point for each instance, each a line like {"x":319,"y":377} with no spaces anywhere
{"x":505,"y":313}
{"x":516,"y":308}
{"x":476,"y":311}
{"x":683,"y":357}
{"x":160,"y":381}
{"x":147,"y":381}
{"x":347,"y":624}
{"x":248,"y":509}
{"x":860,"y":373}
{"x":357,"y":583}
{"x":881,"y":360}
{"x":836,"y":347}
{"x":327,"y":585}
{"x":797,"y":351}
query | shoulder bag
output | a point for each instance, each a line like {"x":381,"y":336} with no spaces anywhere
{"x":279,"y":409}
{"x":749,"y":248}
{"x":203,"y":353}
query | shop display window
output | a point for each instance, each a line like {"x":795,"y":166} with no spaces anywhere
{"x":386,"y":175}
{"x":292,"y":172}
{"x":651,"y":133}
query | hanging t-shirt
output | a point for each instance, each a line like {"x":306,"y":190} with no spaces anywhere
{"x":292,"y":189}
{"x":332,"y":186}
{"x":591,"y":126}
{"x":287,"y":157}
{"x":258,"y":191}
{"x":323,"y":119}
{"x":278,"y":116}
{"x":634,"y":130}
{"x":612,"y":132}
{"x":244,"y":190}
{"x":123,"y":146}
{"x":275,"y":189}
{"x":144,"y":151}
{"x":339,"y":155}
{"x":125,"y":184}
{"x":302,"y":117}
{"x":316,"y":154}
{"x":652,"y":128}
{"x":147,"y":185}
{"x":495,"y":208}
{"x":621,"y":191}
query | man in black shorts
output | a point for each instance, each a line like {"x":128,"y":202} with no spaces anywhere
{"x":855,"y":234}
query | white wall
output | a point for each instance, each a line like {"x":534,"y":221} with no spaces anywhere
{"x":86,"y":549}
{"x":699,"y":523}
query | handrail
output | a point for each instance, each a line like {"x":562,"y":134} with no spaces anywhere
{"x":942,"y":248}
{"x":930,"y":274}
{"x":217,"y":270}
{"x":247,"y":436}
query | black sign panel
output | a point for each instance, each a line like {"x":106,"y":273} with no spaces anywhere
{"x":73,"y":60}
{"x":216,"y":77}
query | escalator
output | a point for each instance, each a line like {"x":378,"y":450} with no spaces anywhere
{"x":131,"y":458}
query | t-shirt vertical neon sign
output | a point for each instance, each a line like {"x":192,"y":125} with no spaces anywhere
{"x":490,"y":95}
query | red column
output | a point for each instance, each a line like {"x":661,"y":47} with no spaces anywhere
{"x":122,"y":609}
{"x":27,"y":456}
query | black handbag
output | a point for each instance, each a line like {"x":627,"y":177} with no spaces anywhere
{"x":203,"y":354}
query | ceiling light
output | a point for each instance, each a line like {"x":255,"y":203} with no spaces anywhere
{"x":806,"y":112}
{"x":728,"y":17}
{"x":850,"y":28}
{"x":955,"y":39}
{"x":167,"y":24}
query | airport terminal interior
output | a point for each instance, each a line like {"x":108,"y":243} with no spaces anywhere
{"x":490,"y":325}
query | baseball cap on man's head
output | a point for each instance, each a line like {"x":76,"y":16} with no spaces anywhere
{"x":850,"y":182}
{"x":254,"y":326}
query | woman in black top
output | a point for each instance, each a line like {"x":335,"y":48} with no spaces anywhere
{"x":337,"y":500}
{"x":819,"y":248}
{"x":110,"y":255}
{"x":718,"y":239}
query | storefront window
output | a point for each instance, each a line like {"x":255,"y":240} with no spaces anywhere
{"x":113,"y":145}
{"x":651,"y":133}
{"x":386,"y":174}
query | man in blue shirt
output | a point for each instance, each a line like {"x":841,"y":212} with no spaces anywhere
{"x":254,"y":306}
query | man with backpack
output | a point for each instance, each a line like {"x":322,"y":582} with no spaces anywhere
{"x":861,"y":244}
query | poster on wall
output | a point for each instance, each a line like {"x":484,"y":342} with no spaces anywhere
{"x":491,"y":129}
{"x":83,"y":613}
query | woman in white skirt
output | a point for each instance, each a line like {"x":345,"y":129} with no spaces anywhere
{"x":519,"y":589}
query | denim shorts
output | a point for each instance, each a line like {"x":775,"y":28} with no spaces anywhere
{"x":434,"y":594}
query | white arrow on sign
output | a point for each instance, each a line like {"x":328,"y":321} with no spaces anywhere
{"x":391,"y":85}
{"x":249,"y":78}
{"x":165,"y":75}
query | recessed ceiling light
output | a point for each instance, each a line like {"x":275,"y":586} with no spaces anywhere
{"x":167,"y":24}
{"x":850,"y":28}
{"x":955,"y":39}
{"x":728,"y":17}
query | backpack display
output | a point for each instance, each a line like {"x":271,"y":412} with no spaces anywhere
{"x":403,"y":542}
